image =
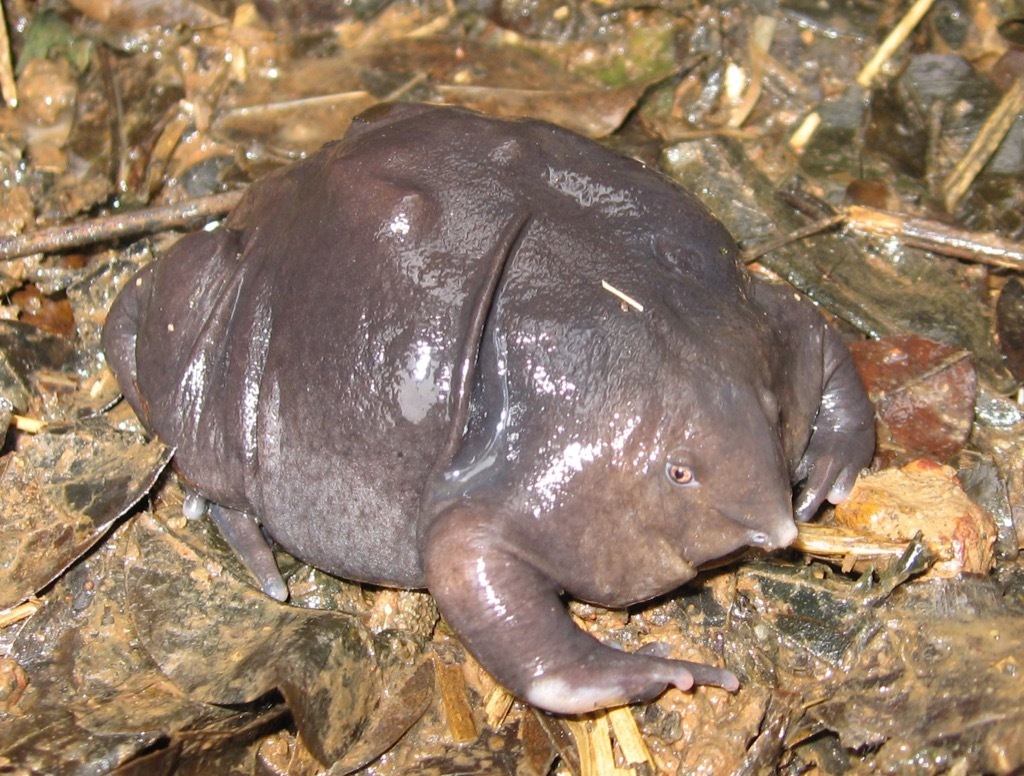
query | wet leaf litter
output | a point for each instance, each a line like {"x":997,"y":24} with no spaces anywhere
{"x":847,"y":663}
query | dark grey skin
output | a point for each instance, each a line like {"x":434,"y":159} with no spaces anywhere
{"x":397,"y":358}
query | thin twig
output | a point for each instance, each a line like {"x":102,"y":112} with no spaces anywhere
{"x":27,"y":424}
{"x":892,"y":41}
{"x":838,"y":540}
{"x":977,"y":247}
{"x":802,"y":136}
{"x":989,"y":138}
{"x":105,"y":228}
{"x":934,"y":236}
{"x":8,"y":86}
{"x":631,"y":740}
{"x":757,"y":49}
{"x":297,"y":103}
{"x":20,"y":612}
{"x":755,"y":252}
{"x":622,"y":296}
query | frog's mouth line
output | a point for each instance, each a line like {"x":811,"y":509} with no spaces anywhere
{"x":735,"y":555}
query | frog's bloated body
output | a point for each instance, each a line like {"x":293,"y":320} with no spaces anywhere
{"x":397,"y":356}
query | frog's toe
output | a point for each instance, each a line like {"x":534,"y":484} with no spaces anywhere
{"x":713,"y":676}
{"x":828,"y":476}
{"x":843,"y":485}
{"x":243,"y":533}
{"x":701,"y":673}
{"x":821,"y":475}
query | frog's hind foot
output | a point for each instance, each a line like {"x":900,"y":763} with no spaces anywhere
{"x":243,"y":533}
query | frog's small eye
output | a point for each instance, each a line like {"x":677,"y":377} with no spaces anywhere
{"x":680,"y":474}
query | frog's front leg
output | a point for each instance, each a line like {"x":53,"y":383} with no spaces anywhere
{"x":509,"y":615}
{"x":843,"y":440}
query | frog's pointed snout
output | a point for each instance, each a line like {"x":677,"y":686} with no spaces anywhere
{"x":781,"y":534}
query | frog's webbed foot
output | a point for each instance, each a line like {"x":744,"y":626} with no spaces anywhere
{"x":244,"y":535}
{"x":509,"y":615}
{"x":843,"y":440}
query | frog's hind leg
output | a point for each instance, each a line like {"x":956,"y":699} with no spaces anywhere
{"x":244,"y":535}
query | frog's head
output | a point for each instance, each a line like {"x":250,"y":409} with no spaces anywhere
{"x":662,"y":460}
{"x":722,"y":479}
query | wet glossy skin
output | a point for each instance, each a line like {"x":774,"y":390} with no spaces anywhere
{"x":398,"y":358}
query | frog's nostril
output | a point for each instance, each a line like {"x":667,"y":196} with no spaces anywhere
{"x":782,"y":536}
{"x":759,"y":539}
